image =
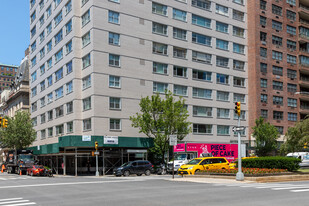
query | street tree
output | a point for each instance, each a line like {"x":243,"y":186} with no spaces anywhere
{"x":296,"y":137}
{"x":19,"y":133}
{"x":161,"y":117}
{"x":266,"y":136}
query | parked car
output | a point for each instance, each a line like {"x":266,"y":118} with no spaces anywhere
{"x":138,"y":167}
{"x":35,"y":170}
{"x":200,"y":164}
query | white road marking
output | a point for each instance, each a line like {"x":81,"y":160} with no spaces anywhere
{"x":17,"y":201}
{"x":17,"y":198}
{"x":304,"y":190}
{"x":21,"y":204}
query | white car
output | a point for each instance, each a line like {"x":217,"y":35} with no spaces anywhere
{"x":180,"y":159}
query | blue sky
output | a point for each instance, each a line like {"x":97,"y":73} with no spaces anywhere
{"x":14,"y":30}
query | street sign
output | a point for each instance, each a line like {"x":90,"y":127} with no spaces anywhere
{"x":239,"y":129}
{"x":96,"y":153}
{"x":173,"y":140}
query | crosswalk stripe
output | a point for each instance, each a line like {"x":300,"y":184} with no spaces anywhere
{"x":304,"y":190}
{"x":17,"y":198}
{"x":21,"y":204}
{"x":289,"y":188}
{"x":17,"y":201}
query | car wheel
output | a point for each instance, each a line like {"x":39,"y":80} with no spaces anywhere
{"x":147,"y":172}
{"x":126,"y":173}
{"x":139,"y":174}
{"x":223,"y":168}
{"x":196,"y":171}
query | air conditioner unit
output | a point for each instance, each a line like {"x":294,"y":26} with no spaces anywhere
{"x":292,"y":78}
{"x":278,"y":121}
{"x":277,"y":46}
{"x":278,"y":92}
{"x":263,"y":104}
{"x":277,"y":62}
{"x":292,"y":22}
{"x":278,"y":106}
{"x":263,"y":12}
{"x":263,"y":26}
{"x":277,"y":17}
{"x":277,"y":30}
{"x":264,"y":90}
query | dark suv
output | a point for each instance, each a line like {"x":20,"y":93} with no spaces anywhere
{"x":138,"y":167}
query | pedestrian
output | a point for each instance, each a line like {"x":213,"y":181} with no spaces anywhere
{"x":88,"y":165}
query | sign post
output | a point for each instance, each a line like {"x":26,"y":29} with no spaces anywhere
{"x":96,"y":159}
{"x":239,"y":175}
{"x":173,"y":142}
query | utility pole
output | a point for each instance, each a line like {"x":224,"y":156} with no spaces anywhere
{"x":96,"y":160}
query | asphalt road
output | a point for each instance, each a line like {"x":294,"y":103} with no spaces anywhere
{"x":145,"y":190}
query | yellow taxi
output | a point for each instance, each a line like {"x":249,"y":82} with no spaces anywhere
{"x":233,"y":163}
{"x":205,"y":163}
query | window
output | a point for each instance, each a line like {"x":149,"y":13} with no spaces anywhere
{"x":179,"y":15}
{"x":291,"y":15}
{"x":202,"y":129}
{"x":68,"y":7}
{"x":263,"y":67}
{"x":33,"y":92}
{"x":291,"y":30}
{"x":68,"y":27}
{"x":277,"y":10}
{"x":238,"y":65}
{"x":50,"y":80}
{"x":68,"y":47}
{"x":33,"y":76}
{"x":201,"y":21}
{"x":159,"y":48}
{"x":277,"y":85}
{"x":84,"y":2}
{"x":222,"y":44}
{"x":291,"y":45}
{"x":223,"y":113}
{"x":34,"y":107}
{"x":263,"y":37}
{"x":292,"y":74}
{"x":69,"y":107}
{"x":239,"y":82}
{"x":42,"y":84}
{"x":292,"y":88}
{"x":223,"y":130}
{"x":292,"y":102}
{"x":277,"y":40}
{"x":114,"y":60}
{"x":48,"y":11}
{"x":201,"y":57}
{"x":160,"y":87}
{"x":276,"y":25}
{"x":222,"y":96}
{"x":59,"y":129}
{"x":58,"y":18}
{"x":264,"y":113}
{"x":201,"y":39}
{"x":33,"y":61}
{"x":277,"y":70}
{"x":222,"y":61}
{"x":159,"y":68}
{"x":291,"y":59}
{"x":292,"y":116}
{"x":86,"y":39}
{"x":277,"y":100}
{"x":202,"y":4}
{"x":87,"y":103}
{"x":59,"y":93}
{"x":59,"y":111}
{"x":277,"y":55}
{"x":43,"y":134}
{"x":50,"y":132}
{"x":179,"y":52}
{"x":278,"y":115}
{"x":199,"y":111}
{"x":264,"y":98}
{"x":87,"y":82}
{"x":33,"y":31}
{"x":49,"y":28}
{"x":33,"y":47}
{"x":69,"y":67}
{"x":49,"y":98}
{"x":222,"y":27}
{"x":222,"y":79}
{"x":239,"y":32}
{"x":42,"y":100}
{"x":201,"y":75}
{"x":69,"y":127}
{"x":291,"y":2}
{"x":58,"y":37}
{"x":113,"y":17}
{"x":180,"y":71}
{"x":86,"y":61}
{"x":242,"y":115}
{"x":263,"y":21}
{"x":85,"y":18}
{"x":69,"y":87}
{"x":42,"y":37}
{"x":263,"y":83}
{"x":202,"y":93}
{"x":57,"y":2}
{"x":42,"y":20}
{"x":32,"y":2}
{"x":49,"y":46}
{"x":114,"y":103}
{"x":159,"y":9}
{"x":115,"y":124}
{"x":59,"y":74}
{"x":239,"y":2}
{"x":238,"y":15}
{"x":263,"y":5}
{"x":114,"y":81}
{"x":239,"y":98}
{"x":159,"y":28}
{"x":238,"y":48}
{"x":87,"y":124}
{"x":222,"y":10}
{"x":179,"y":34}
{"x":43,"y":119}
{"x":180,"y":90}
{"x":304,"y":61}
{"x":113,"y":38}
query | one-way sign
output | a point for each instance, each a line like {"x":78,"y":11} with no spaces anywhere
{"x":238,"y":129}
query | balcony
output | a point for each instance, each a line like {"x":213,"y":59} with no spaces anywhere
{"x":304,"y":81}
{"x":303,"y":95}
{"x":304,"y":107}
{"x":303,"y":22}
{"x":303,"y":38}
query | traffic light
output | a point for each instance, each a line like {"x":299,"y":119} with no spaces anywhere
{"x":4,"y":123}
{"x":305,"y":145}
{"x":96,"y":145}
{"x":237,"y":108}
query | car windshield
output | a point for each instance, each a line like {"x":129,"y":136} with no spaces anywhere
{"x":126,"y":164}
{"x":26,"y":157}
{"x":38,"y":167}
{"x":194,"y":162}
{"x":180,"y":157}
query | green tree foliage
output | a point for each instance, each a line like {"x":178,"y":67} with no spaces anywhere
{"x":296,"y":137}
{"x":266,"y":136}
{"x":160,"y":118}
{"x":19,"y":133}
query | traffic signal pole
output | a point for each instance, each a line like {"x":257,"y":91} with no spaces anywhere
{"x":96,"y":160}
{"x":239,"y":175}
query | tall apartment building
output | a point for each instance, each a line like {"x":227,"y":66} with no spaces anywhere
{"x":93,"y":60}
{"x":278,"y":60}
